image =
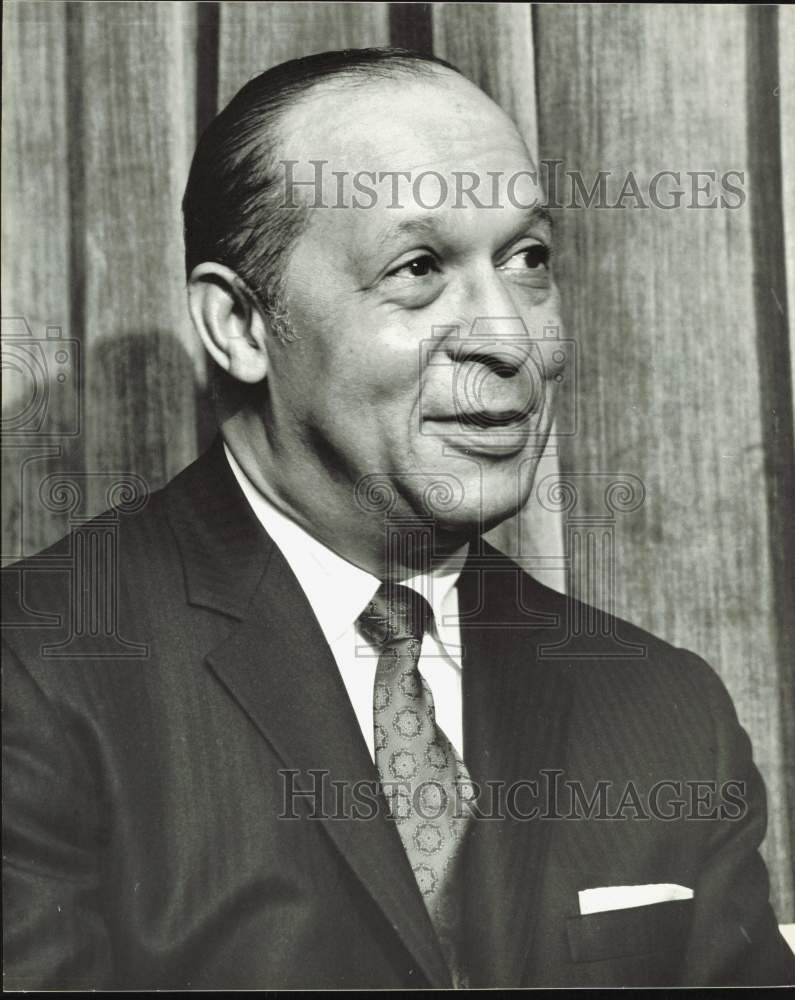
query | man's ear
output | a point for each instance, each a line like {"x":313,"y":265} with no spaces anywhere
{"x":226,"y":317}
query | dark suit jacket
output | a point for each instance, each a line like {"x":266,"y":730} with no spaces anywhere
{"x":164,"y":666}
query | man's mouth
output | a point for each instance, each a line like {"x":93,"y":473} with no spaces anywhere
{"x":486,"y":419}
{"x":488,"y":432}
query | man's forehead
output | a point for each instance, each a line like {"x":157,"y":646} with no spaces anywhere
{"x":429,"y":121}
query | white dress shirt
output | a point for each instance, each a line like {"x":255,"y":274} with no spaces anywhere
{"x":338,"y":592}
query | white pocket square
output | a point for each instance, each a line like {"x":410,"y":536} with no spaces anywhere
{"x":621,"y":897}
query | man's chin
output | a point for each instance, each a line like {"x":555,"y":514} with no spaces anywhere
{"x":469,"y":520}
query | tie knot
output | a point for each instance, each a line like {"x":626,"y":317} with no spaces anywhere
{"x":395,"y":612}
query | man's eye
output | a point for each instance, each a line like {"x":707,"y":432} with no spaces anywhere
{"x":532,"y":258}
{"x":419,"y":267}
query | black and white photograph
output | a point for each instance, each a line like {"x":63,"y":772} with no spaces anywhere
{"x":398,"y":495}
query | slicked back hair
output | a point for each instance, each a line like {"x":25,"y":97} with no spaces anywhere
{"x":233,"y":208}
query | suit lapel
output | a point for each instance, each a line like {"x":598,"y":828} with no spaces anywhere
{"x":516,"y":708}
{"x":280,"y":670}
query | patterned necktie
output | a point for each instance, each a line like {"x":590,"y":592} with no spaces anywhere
{"x":424,"y":780}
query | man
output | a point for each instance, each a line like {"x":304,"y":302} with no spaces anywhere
{"x":290,"y":770}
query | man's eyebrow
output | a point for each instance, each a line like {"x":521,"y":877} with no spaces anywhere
{"x":431,"y":224}
{"x":424,"y":225}
{"x":537,"y":214}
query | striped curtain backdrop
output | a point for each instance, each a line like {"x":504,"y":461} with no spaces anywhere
{"x":678,"y":442}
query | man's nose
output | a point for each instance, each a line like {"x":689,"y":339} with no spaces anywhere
{"x":494,"y":333}
{"x":499,"y":343}
{"x":497,"y":369}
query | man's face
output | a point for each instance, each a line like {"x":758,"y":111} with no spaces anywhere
{"x":418,"y":360}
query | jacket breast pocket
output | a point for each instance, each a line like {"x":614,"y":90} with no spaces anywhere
{"x":635,"y":931}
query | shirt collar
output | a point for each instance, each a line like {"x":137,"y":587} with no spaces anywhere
{"x":336,"y":589}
